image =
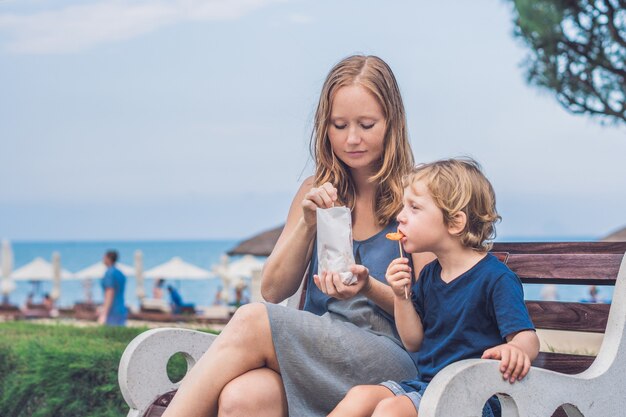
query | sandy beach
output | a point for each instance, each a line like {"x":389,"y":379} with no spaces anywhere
{"x":581,"y":343}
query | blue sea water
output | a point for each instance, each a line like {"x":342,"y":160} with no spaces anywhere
{"x":78,"y":255}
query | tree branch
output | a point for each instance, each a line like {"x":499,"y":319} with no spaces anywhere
{"x":611,"y":24}
{"x":582,"y":65}
{"x":607,"y":107}
{"x":583,"y":51}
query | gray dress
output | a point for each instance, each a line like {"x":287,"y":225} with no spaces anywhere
{"x":334,"y":345}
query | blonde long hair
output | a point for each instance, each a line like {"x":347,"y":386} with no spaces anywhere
{"x":373,"y":74}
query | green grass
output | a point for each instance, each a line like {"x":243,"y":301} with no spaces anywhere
{"x":64,"y":371}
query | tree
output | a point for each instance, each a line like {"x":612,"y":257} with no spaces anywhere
{"x":578,"y":51}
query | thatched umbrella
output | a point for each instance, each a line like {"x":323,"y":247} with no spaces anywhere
{"x":618,"y":236}
{"x":258,"y":245}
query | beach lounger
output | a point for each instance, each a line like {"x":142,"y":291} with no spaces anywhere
{"x":9,"y":312}
{"x":153,"y":305}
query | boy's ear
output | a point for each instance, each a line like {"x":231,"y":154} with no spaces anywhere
{"x":457,"y":225}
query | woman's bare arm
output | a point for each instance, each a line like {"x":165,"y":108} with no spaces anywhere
{"x":285,"y":267}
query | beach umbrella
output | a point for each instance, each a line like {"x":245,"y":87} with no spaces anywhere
{"x":245,"y":266}
{"x":7,"y":265}
{"x":261,"y":244}
{"x":56,"y":276}
{"x":178,"y":269}
{"x":97,"y":271}
{"x":141,"y":292}
{"x":233,"y":273}
{"x":38,"y":270}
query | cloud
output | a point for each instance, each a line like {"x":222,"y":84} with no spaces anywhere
{"x":79,"y":27}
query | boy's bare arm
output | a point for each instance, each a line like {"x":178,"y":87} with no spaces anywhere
{"x":527,"y":341}
{"x":516,"y":355}
{"x":408,"y":323}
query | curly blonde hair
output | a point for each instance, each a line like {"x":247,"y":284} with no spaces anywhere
{"x":459,"y":185}
{"x":373,"y":74}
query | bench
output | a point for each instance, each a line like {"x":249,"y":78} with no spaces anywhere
{"x":559,"y":384}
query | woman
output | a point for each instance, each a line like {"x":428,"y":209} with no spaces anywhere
{"x":274,"y":361}
{"x":157,"y":290}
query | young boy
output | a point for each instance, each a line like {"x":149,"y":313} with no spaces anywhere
{"x":465,"y":304}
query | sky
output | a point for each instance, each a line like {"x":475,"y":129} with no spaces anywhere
{"x":190,"y":119}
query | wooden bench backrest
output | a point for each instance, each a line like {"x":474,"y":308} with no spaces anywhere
{"x":579,"y":263}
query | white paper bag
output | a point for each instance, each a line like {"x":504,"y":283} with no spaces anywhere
{"x":334,"y":242}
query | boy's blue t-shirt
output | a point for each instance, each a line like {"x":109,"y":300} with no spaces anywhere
{"x":114,"y":278}
{"x":465,"y":317}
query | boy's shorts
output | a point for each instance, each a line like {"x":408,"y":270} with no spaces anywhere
{"x":415,"y":390}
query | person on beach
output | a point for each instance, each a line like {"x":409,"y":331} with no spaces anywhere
{"x":48,"y":305}
{"x":30,"y":301}
{"x":157,"y":290}
{"x":594,"y":297}
{"x":276,"y":361}
{"x":47,"y":302}
{"x":465,"y":304}
{"x":113,"y":311}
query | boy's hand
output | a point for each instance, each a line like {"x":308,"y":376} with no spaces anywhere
{"x":398,"y":276}
{"x":514,"y":362}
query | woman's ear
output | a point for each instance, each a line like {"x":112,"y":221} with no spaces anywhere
{"x":457,"y":224}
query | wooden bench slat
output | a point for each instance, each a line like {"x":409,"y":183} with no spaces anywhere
{"x":618,"y":248}
{"x":560,"y":413}
{"x":155,"y":411}
{"x":159,"y":405}
{"x":566,"y":268}
{"x":564,"y":363}
{"x":581,"y":317}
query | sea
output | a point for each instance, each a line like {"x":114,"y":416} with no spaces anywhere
{"x":203,"y":253}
